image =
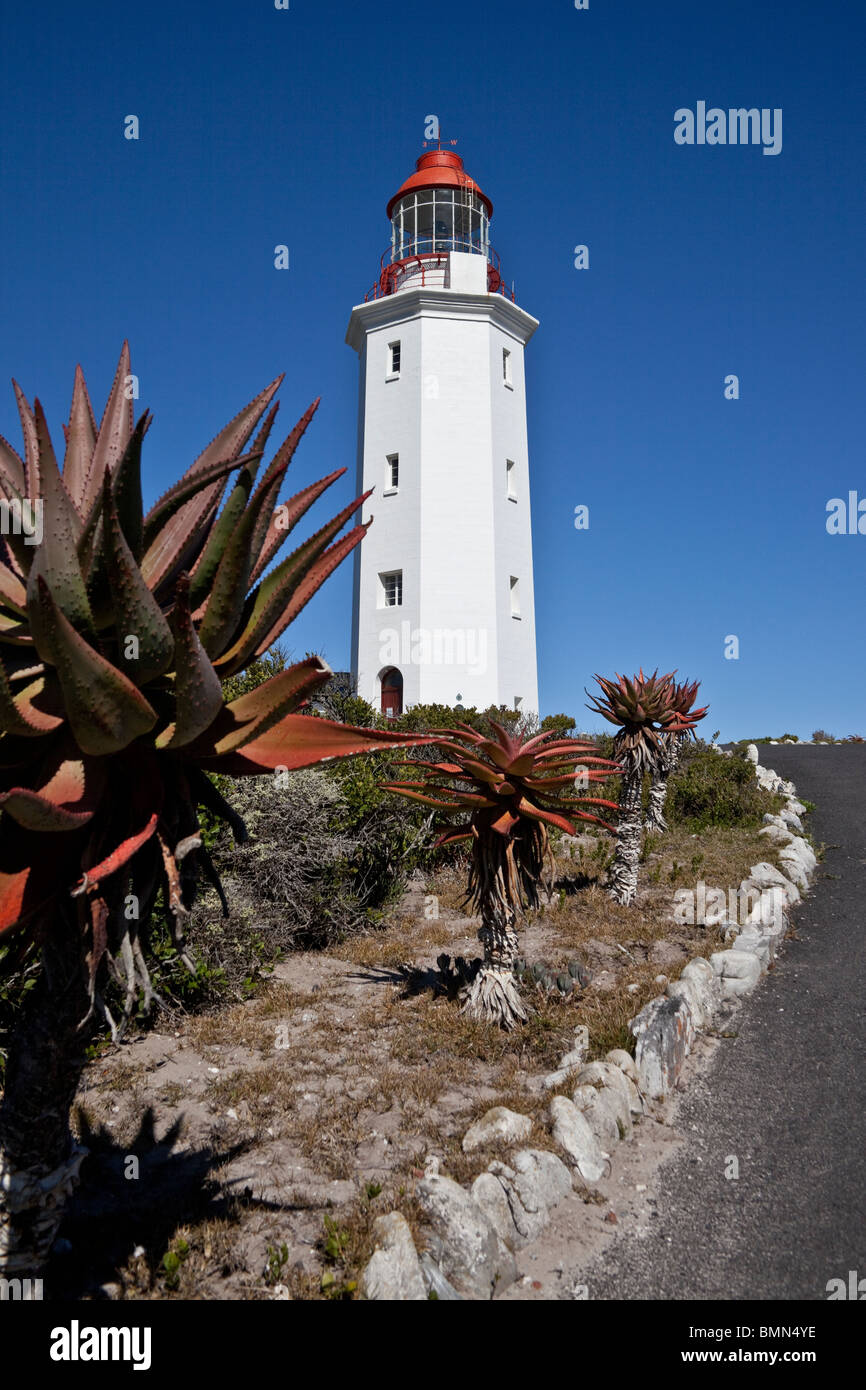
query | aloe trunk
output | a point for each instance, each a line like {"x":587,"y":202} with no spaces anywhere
{"x":629,"y":829}
{"x":39,"y":1159}
{"x":668,"y":764}
{"x":493,"y":996}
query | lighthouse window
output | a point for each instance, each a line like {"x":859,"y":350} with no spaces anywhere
{"x":511,"y":480}
{"x":506,"y":367}
{"x":393,"y":359}
{"x":515,"y":597}
{"x":392,"y":472}
{"x":392,"y":589}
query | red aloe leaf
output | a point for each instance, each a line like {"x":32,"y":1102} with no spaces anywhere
{"x":183,"y":491}
{"x":31,"y":448}
{"x":163,"y":555}
{"x":198,"y":693}
{"x":284,"y":592}
{"x":116,"y":860}
{"x":137,"y":614}
{"x":103,"y":707}
{"x":18,"y":714}
{"x":56,"y":559}
{"x":80,"y":441}
{"x":302,"y":740}
{"x":12,"y":591}
{"x":11,"y":467}
{"x":251,"y":715}
{"x":114,"y":432}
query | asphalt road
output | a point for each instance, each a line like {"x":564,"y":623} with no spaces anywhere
{"x":786,"y":1097}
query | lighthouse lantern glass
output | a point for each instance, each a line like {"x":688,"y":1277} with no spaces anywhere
{"x":436,"y":220}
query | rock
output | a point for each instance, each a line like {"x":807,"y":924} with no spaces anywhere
{"x":687,"y":990}
{"x":796,"y":870}
{"x":624,"y":1061}
{"x":603,"y":1115}
{"x":436,"y":1284}
{"x":582,"y":1096}
{"x":792,"y":820}
{"x":534,"y":1183}
{"x":488,"y":1193}
{"x":571,"y":1131}
{"x":575,"y":1058}
{"x":499,"y":1127}
{"x":752,"y":753}
{"x":393,"y":1272}
{"x":769,"y":911}
{"x":801,"y":846}
{"x":755,"y":941}
{"x":796,"y":807}
{"x":776,"y":834}
{"x":765,"y":875}
{"x":608,"y":1074}
{"x":467,"y":1248}
{"x":738,"y":971}
{"x":701,"y":974}
{"x":665,"y":1031}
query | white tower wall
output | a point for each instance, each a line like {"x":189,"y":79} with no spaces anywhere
{"x":451,"y":527}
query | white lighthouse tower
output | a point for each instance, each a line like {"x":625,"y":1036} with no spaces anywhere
{"x":444,"y":606}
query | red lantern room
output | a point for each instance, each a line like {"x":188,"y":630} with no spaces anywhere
{"x":438,"y":210}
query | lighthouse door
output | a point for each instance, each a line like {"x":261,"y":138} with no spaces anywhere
{"x":392,"y":693}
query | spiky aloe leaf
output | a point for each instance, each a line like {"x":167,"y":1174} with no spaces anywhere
{"x":221,"y":538}
{"x":164,"y":554}
{"x":64,"y":800}
{"x":226,"y":600}
{"x":284,"y":592}
{"x":18,"y":714}
{"x":274,"y":529}
{"x":114,"y":433}
{"x":251,"y":715}
{"x":105,"y":710}
{"x":118,"y":857}
{"x":31,"y":447}
{"x":126,"y":487}
{"x":144,"y":638}
{"x":198,"y":692}
{"x":301,"y":740}
{"x":80,"y":441}
{"x":11,"y":467}
{"x":12,"y":592}
{"x":171,"y":501}
{"x":56,"y":559}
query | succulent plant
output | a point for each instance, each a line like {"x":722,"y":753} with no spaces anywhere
{"x":116,"y":629}
{"x":511,"y":791}
{"x":682,"y":714}
{"x":648,"y":717}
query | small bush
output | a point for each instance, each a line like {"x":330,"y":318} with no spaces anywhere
{"x":708,"y":790}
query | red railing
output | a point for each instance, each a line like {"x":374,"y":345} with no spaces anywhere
{"x":427,"y":264}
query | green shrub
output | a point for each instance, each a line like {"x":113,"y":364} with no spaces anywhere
{"x":709,"y":790}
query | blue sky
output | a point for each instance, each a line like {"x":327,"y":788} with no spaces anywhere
{"x":259,"y":127}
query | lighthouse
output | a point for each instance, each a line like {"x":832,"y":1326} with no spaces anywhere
{"x":443,"y":605}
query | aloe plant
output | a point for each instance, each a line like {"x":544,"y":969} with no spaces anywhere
{"x":116,"y":630}
{"x":511,"y":790}
{"x":682,"y":699}
{"x":643,"y":712}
